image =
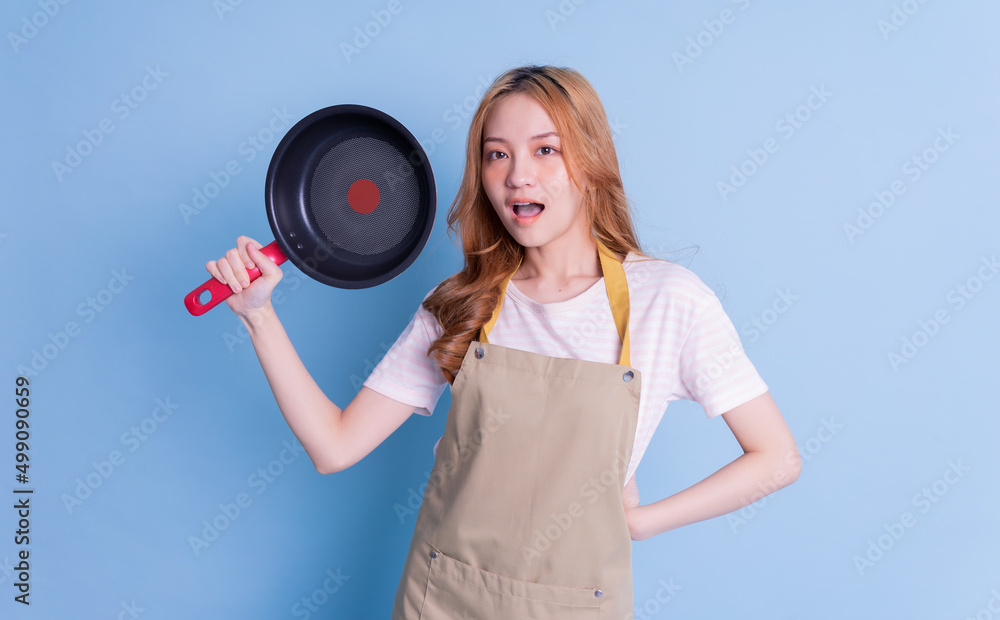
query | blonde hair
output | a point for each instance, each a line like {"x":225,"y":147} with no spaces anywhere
{"x":464,"y":302}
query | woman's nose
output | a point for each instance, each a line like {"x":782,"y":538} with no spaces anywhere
{"x":521,"y":172}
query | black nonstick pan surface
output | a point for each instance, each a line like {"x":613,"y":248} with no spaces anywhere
{"x":350,"y":199}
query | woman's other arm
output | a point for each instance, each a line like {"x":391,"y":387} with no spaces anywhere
{"x":770,"y":461}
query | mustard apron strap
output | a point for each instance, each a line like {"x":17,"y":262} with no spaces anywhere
{"x":614,"y":281}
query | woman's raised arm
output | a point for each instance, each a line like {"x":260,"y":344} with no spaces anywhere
{"x":333,"y":438}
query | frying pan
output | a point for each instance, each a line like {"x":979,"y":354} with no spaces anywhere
{"x":350,"y":199}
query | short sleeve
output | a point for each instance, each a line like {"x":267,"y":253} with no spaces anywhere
{"x":406,"y":373}
{"x":714,"y":370}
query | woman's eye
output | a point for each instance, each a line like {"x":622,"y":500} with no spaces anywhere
{"x":493,"y":154}
{"x":546,"y":150}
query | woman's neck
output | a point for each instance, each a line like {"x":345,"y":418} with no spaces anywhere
{"x":558,"y":263}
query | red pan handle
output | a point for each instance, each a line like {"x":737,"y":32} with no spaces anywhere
{"x":221,"y":291}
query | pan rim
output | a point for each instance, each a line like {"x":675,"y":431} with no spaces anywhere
{"x":423,"y":168}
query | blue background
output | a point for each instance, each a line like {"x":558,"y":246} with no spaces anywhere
{"x":690,"y":89}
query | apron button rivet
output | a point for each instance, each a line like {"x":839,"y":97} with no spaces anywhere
{"x":480,"y":353}
{"x":628,"y":375}
{"x":598,"y":593}
{"x":434,"y":554}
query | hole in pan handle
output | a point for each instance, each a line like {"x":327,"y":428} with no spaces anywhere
{"x":219,"y":291}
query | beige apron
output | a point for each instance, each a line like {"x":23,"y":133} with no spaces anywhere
{"x":522,"y":516}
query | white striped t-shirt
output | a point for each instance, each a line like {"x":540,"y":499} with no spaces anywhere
{"x":681,"y":341}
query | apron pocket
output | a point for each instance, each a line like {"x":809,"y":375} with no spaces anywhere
{"x":459,"y":590}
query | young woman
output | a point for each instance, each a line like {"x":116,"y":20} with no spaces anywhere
{"x":563,"y":344}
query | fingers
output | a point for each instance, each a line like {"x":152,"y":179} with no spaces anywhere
{"x":241,"y":245}
{"x":239,"y":269}
{"x":221,"y":271}
{"x":228,"y":265}
{"x":214,"y":270}
{"x":232,"y":269}
{"x":263,"y":261}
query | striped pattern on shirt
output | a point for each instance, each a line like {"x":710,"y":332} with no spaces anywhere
{"x":681,"y":340}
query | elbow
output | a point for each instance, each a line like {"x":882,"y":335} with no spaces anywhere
{"x":326,"y":464}
{"x":324,"y":468}
{"x":780,"y":467}
{"x":787,"y":470}
{"x":332,"y":462}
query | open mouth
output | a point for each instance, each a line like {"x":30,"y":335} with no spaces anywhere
{"x":526,"y":209}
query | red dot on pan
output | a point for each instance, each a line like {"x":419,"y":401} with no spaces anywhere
{"x":363,"y":196}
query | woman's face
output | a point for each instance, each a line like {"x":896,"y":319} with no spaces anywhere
{"x":523,"y":163}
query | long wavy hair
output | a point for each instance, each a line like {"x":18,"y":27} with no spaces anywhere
{"x":464,"y":302}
